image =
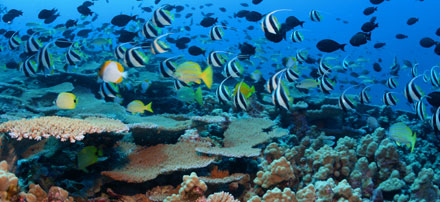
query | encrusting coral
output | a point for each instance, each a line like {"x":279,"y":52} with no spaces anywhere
{"x":60,"y":127}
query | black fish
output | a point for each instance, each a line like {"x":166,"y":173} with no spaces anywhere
{"x":147,"y":9}
{"x":12,"y":65}
{"x":126,"y":36}
{"x":241,"y":14}
{"x":412,"y":21}
{"x":44,"y":14}
{"x":2,"y":31}
{"x":433,"y":99}
{"x":370,"y":10}
{"x":360,"y":38}
{"x":8,"y":18}
{"x":84,"y":33}
{"x":208,"y":21}
{"x":8,"y":34}
{"x":63,"y":43}
{"x":438,"y":32}
{"x":328,"y":46}
{"x":194,"y":50}
{"x":401,"y":36}
{"x":253,"y":16}
{"x":15,"y":12}
{"x":256,"y":1}
{"x":244,"y":4}
{"x":369,"y":26}
{"x":51,"y":19}
{"x":88,"y":3}
{"x":68,"y":34}
{"x":376,"y":2}
{"x":292,"y":22}
{"x":247,"y":49}
{"x":377,"y":67}
{"x":379,"y":45}
{"x":71,"y":23}
{"x":222,"y":9}
{"x":188,"y":15}
{"x":187,"y":28}
{"x":122,"y":20}
{"x":427,"y":42}
{"x":84,"y":10}
{"x":179,"y":8}
{"x":437,"y":49}
{"x":250,"y":27}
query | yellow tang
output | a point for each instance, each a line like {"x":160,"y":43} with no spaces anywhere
{"x":244,"y":89}
{"x":137,"y":106}
{"x":191,"y":72}
{"x":66,"y":101}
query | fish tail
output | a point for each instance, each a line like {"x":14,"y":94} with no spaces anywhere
{"x":343,"y":47}
{"x":206,"y":76}
{"x":148,"y":107}
{"x":413,"y":142}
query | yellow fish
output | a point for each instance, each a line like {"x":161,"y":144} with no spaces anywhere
{"x":137,"y":106}
{"x":245,"y":89}
{"x":403,"y":135}
{"x":191,"y":72}
{"x":66,"y":101}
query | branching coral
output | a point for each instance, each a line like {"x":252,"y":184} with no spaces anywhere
{"x":60,"y":127}
{"x":191,"y":189}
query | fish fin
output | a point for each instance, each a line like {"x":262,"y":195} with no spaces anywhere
{"x":148,"y":107}
{"x":342,"y":47}
{"x":198,"y":96}
{"x":119,"y":80}
{"x":413,"y":142}
{"x":206,"y":76}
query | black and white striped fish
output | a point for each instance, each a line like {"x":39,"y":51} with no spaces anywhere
{"x":28,"y":67}
{"x":240,"y":101}
{"x":279,"y":96}
{"x":162,"y":17}
{"x":233,"y":68}
{"x":32,"y":45}
{"x":45,"y":63}
{"x":158,"y":46}
{"x":14,"y":42}
{"x":315,"y":16}
{"x":178,"y":84}
{"x":134,"y":58}
{"x":323,"y":68}
{"x":291,"y":75}
{"x":150,"y":31}
{"x":389,"y":99}
{"x":72,"y":58}
{"x":435,"y":120}
{"x":425,"y":77}
{"x":222,"y":93}
{"x":412,"y":91}
{"x":216,"y":33}
{"x":391,"y":83}
{"x":215,"y":59}
{"x":345,"y":63}
{"x":434,"y":78}
{"x":296,"y":37}
{"x":414,"y":69}
{"x":167,"y":67}
{"x":108,"y":90}
{"x":325,"y":85}
{"x":364,"y":98}
{"x":119,"y":51}
{"x":270,"y":24}
{"x":272,"y":82}
{"x":300,"y":57}
{"x":420,"y":109}
{"x":345,"y":103}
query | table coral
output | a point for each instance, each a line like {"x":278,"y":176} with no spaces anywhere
{"x":146,"y":163}
{"x":242,"y":135}
{"x":60,"y":127}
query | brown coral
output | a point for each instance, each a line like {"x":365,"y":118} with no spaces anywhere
{"x":147,"y":163}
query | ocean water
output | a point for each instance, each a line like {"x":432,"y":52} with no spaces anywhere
{"x":151,"y":112}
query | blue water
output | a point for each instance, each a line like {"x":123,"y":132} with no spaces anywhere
{"x":391,"y":16}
